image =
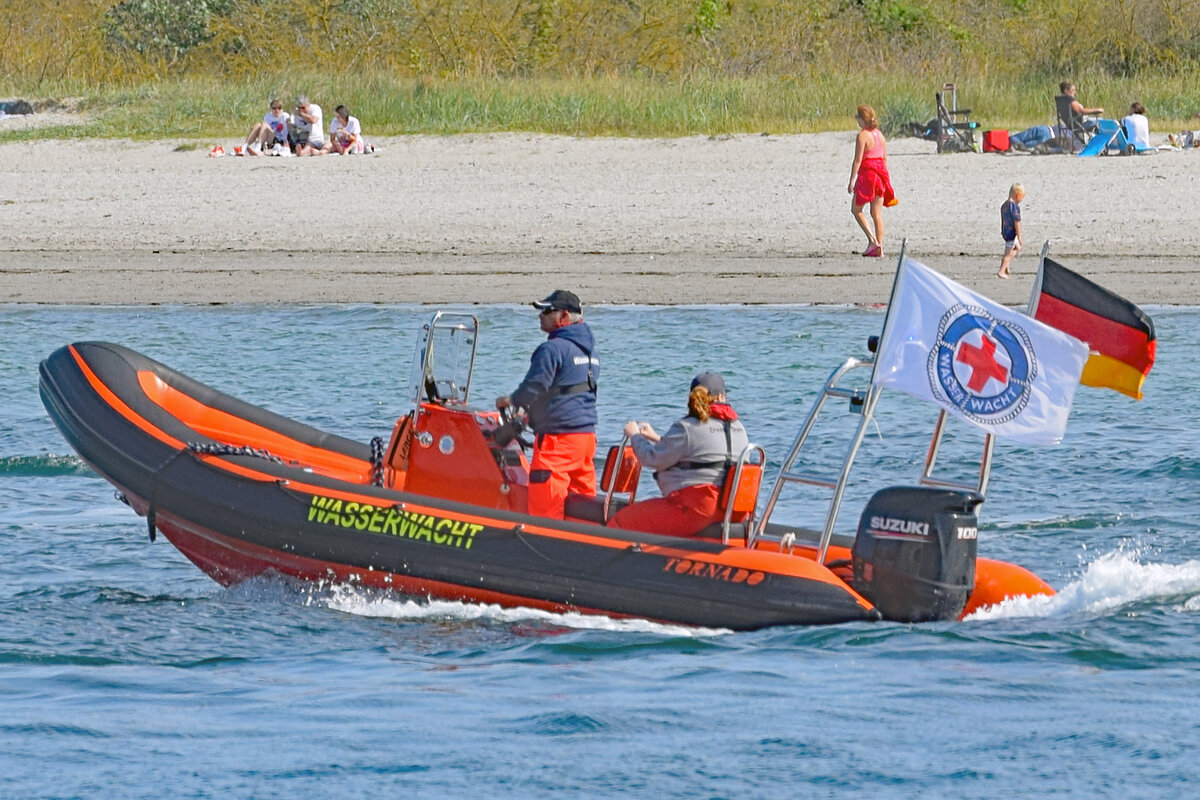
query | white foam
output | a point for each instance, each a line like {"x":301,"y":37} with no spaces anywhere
{"x":1112,"y":581}
{"x":352,"y":600}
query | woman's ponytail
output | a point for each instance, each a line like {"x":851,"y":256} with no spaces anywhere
{"x":698,"y":403}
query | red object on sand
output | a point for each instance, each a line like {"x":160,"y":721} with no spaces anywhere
{"x":995,"y":141}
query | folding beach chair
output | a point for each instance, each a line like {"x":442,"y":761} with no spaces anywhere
{"x":1110,"y":138}
{"x":956,"y":131}
{"x":1072,"y":134}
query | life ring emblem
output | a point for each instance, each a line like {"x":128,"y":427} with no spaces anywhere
{"x":982,"y":366}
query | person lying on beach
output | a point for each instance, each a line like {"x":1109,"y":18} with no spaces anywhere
{"x":1184,"y":139}
{"x":1031,"y":137}
{"x":271,"y":132}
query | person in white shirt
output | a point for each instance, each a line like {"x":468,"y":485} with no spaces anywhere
{"x":272,"y":130}
{"x":1137,"y":126}
{"x":310,"y":128}
{"x":345,"y":133}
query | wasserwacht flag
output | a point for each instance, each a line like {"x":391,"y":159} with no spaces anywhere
{"x":989,"y":365}
{"x":1119,"y":334}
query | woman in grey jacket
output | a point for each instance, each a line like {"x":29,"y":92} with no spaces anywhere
{"x":689,"y":461}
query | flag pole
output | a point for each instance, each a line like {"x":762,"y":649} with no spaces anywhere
{"x":1036,"y":292}
{"x":887,"y":314}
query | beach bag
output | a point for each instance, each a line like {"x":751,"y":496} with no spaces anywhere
{"x":995,"y":141}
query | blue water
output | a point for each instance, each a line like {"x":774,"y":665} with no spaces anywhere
{"x":125,"y":672}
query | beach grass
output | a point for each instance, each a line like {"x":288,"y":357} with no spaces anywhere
{"x":636,"y":106}
{"x":645,"y":68}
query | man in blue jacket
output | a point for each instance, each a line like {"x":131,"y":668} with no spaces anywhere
{"x":559,"y":397}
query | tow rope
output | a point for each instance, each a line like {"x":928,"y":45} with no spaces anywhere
{"x":376,"y":461}
{"x":214,"y":449}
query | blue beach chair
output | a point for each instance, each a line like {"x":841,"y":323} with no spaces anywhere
{"x":1110,"y":137}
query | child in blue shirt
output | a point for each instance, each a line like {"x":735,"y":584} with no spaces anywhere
{"x":1010,"y":227}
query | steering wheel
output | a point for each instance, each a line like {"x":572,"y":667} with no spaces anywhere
{"x":510,"y":428}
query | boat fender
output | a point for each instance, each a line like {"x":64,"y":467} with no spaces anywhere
{"x":150,"y":520}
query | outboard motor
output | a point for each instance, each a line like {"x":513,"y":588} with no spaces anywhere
{"x":914,"y":556}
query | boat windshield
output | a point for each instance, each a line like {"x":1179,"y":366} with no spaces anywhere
{"x":444,"y":359}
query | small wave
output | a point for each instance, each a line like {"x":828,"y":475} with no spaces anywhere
{"x":1113,"y":581}
{"x":1175,"y":466}
{"x":1083,"y":522}
{"x":364,"y":603}
{"x":43,"y":466}
{"x":565,"y":724}
{"x":49,"y":729}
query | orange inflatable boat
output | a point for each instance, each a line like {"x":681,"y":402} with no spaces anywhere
{"x":439,"y":509}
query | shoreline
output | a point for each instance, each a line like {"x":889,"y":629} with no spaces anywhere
{"x":507,"y":217}
{"x":205,"y":278}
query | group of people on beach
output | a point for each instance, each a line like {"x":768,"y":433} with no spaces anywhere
{"x":558,"y":396}
{"x":1135,"y":123}
{"x":871,"y":184}
{"x":302,"y":132}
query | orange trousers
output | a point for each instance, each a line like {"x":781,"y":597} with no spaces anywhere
{"x":684,"y":512}
{"x":561,"y":463}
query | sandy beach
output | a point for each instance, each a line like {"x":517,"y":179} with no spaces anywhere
{"x":506,"y":217}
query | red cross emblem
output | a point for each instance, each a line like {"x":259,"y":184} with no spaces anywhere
{"x":983,"y":364}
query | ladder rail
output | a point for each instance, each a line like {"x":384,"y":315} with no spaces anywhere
{"x":830,"y":389}
{"x":835,"y":503}
{"x":935,"y":443}
{"x":867,"y":399}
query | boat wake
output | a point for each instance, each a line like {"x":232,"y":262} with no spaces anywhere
{"x":363,"y":602}
{"x":1113,"y":581}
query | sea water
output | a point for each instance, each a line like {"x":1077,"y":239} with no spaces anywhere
{"x":127,"y":673}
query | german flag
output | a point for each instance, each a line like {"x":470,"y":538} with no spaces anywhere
{"x":1119,"y":334}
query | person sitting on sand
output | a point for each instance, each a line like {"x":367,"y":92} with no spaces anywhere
{"x":689,"y":461}
{"x":309,"y":123}
{"x":345,"y":133}
{"x":272,"y":131}
{"x":1137,"y":126}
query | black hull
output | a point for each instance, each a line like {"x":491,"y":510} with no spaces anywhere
{"x":240,"y":515}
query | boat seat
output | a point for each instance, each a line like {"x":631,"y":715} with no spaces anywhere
{"x":590,"y":508}
{"x":737,"y":530}
{"x":739,"y":494}
{"x":621,"y":474}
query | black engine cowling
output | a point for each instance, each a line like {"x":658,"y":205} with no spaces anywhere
{"x":914,"y":556}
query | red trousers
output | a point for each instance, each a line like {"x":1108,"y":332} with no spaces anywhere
{"x":561,"y":463}
{"x":684,"y":512}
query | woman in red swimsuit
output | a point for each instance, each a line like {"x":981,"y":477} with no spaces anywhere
{"x":869,"y":180}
